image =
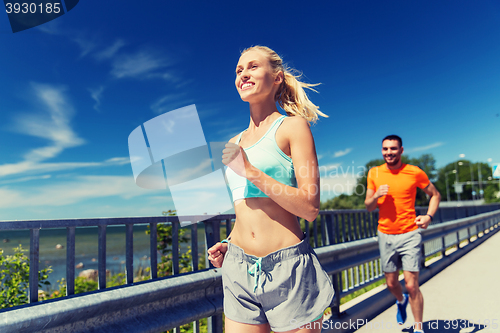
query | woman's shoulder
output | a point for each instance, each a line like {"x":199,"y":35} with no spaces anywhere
{"x":234,"y":138}
{"x":295,"y":124}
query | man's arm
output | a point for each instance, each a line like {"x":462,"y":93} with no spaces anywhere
{"x":372,"y":196}
{"x":423,"y":221}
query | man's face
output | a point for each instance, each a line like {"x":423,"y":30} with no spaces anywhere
{"x":391,"y":152}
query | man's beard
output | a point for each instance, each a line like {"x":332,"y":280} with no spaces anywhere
{"x":394,"y":162}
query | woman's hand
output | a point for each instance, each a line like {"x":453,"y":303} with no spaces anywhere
{"x":235,"y":157}
{"x":216,"y":254}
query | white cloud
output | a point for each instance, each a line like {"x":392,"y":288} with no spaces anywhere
{"x":110,"y":51}
{"x":32,"y":167}
{"x":53,"y":123}
{"x":96,"y":95}
{"x":142,"y":64}
{"x":87,"y":46}
{"x":434,"y":145}
{"x":170,"y":102}
{"x":117,"y":161}
{"x":71,"y":192}
{"x":342,"y":152}
{"x":24,"y":179}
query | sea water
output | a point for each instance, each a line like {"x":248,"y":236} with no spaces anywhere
{"x":86,"y":248}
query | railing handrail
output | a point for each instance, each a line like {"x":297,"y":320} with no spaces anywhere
{"x":108,"y":221}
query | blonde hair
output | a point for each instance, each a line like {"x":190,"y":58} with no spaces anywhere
{"x":291,"y":95}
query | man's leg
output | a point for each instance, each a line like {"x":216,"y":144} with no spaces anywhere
{"x":394,"y":286}
{"x":416,"y":298}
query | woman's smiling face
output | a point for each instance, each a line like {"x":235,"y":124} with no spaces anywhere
{"x":255,"y":79}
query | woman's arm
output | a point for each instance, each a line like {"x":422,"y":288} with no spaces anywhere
{"x":302,"y":201}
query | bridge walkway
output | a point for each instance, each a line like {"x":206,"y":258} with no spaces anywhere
{"x":463,"y":298}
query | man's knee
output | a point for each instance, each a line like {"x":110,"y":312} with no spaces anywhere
{"x":412,"y":287}
{"x":392,"y":282}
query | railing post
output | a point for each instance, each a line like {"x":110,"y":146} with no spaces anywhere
{"x":34,"y":258}
{"x":443,"y":247}
{"x":306,"y":227}
{"x":228,"y":227}
{"x":129,"y":253}
{"x":153,"y":249}
{"x":194,"y":263}
{"x":194,"y":246}
{"x":350,"y":226}
{"x":330,"y":232}
{"x":175,"y":247}
{"x":335,"y":305}
{"x":175,"y":256}
{"x":70,"y":261}
{"x":315,"y":232}
{"x":212,"y":236}
{"x":101,"y":256}
{"x":323,"y":229}
{"x":422,"y":256}
{"x":345,"y":235}
{"x":214,"y":324}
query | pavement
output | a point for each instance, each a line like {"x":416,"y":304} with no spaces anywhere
{"x":463,"y":298}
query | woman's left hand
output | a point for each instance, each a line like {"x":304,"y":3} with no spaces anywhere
{"x":216,"y":254}
{"x":235,"y":157}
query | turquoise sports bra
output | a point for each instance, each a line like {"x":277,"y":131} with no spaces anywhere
{"x":266,"y":156}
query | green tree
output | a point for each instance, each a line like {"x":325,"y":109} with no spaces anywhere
{"x":164,"y":239}
{"x":344,"y":201}
{"x":14,"y":278}
{"x":466,"y":171}
{"x":492,"y":193}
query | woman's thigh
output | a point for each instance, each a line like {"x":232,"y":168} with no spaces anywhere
{"x":235,"y":327}
{"x":312,"y":327}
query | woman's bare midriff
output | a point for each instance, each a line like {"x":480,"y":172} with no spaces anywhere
{"x":262,"y":227}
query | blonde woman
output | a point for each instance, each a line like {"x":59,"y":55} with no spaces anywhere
{"x":272,"y":278}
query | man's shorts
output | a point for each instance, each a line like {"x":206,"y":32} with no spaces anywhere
{"x":287,"y":288}
{"x":400,"y":251}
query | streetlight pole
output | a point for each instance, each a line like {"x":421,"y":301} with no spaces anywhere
{"x":471,"y":176}
{"x":446,"y":177}
{"x":480,"y":178}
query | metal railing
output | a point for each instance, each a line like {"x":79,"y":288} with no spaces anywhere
{"x":343,"y":238}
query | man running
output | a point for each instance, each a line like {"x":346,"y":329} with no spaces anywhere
{"x":392,"y":187}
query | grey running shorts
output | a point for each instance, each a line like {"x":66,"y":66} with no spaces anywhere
{"x":287,"y":288}
{"x":400,"y":250}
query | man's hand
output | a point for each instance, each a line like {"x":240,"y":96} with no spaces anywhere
{"x":216,"y":254}
{"x":382,"y":190}
{"x":372,"y":196}
{"x":423,"y":221}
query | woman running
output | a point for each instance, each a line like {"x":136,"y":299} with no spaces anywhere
{"x":272,"y":278}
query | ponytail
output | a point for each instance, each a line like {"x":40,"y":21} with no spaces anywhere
{"x":291,"y":95}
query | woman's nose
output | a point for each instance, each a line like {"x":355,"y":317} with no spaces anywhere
{"x":244,"y":74}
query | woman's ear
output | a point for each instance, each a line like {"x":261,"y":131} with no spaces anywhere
{"x":279,"y":77}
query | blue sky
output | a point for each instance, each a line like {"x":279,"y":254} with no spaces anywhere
{"x":72,"y":90}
